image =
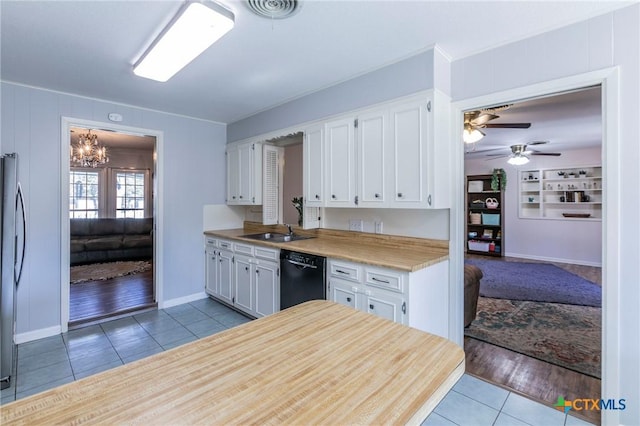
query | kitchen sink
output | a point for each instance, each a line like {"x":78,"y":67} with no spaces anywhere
{"x":265,"y":236}
{"x":276,"y":237}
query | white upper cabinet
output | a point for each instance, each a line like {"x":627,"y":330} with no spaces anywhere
{"x":410,"y":140}
{"x":313,"y":167}
{"x":372,"y":136}
{"x":340,"y":163}
{"x":244,"y":173}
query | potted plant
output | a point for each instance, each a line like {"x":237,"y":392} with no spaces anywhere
{"x":297,"y":203}
{"x":498,"y":180}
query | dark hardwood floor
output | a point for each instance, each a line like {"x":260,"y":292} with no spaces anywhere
{"x":96,"y":300}
{"x":530,"y":377}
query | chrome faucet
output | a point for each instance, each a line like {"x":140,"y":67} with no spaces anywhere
{"x":289,"y":228}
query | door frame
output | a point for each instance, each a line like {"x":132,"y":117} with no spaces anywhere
{"x":608,"y":79}
{"x":157,"y":189}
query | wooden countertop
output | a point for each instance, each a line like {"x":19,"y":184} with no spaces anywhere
{"x":402,"y":253}
{"x":315,"y":363}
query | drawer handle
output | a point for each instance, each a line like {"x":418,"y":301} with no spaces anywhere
{"x":379,"y":280}
{"x":340,"y":271}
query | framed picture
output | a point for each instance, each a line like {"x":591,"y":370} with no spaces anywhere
{"x":487,"y":233}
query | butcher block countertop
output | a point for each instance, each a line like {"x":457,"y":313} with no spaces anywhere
{"x":389,"y":251}
{"x":314,"y":363}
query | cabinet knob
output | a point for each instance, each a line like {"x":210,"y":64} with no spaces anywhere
{"x":234,"y":197}
{"x":257,"y":272}
{"x":333,"y":196}
{"x":348,"y":299}
{"x":399,"y":194}
{"x":240,"y":197}
{"x":377,"y":195}
{"x":246,"y":268}
{"x":371,"y":306}
{"x":317,"y":197}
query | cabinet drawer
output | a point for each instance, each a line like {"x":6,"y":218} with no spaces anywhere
{"x":345,"y":271}
{"x":267,"y":253}
{"x":225,"y":245}
{"x":242,"y":248}
{"x":386,"y":279}
{"x":211,"y":242}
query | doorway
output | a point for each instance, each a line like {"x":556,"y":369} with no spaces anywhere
{"x":513,"y":366}
{"x":109,"y":211}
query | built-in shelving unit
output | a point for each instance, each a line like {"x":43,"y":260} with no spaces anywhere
{"x":485,"y":233}
{"x":570,"y":193}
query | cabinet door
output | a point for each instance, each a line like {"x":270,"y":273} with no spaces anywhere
{"x":225,"y":276}
{"x":245,"y":154}
{"x":313,"y":154}
{"x":233,"y":175}
{"x":212,"y":285}
{"x":340,"y":163}
{"x":344,"y":293}
{"x":385,"y":305}
{"x":371,"y":143}
{"x":244,"y":279}
{"x":267,"y":286}
{"x":410,"y":153}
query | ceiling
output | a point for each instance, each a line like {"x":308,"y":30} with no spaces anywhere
{"x":88,"y":47}
{"x":571,"y":120}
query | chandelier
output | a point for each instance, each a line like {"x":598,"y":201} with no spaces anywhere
{"x":88,"y":152}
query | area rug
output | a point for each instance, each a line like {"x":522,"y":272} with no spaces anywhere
{"x":564,"y":335}
{"x":105,"y":271}
{"x":538,"y":282}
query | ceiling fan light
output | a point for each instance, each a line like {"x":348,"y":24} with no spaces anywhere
{"x":470,"y":135}
{"x":518,"y":160}
{"x":195,"y":28}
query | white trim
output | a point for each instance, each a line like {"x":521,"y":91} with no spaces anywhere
{"x":37,"y":334}
{"x":182,"y":300}
{"x":609,"y":80}
{"x":66,"y":124}
{"x":553,"y":259}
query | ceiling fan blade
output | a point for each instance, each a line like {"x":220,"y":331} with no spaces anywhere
{"x":496,"y":156}
{"x":552,"y":154}
{"x":508,"y":126}
{"x":537,"y":143}
{"x":482,"y":119}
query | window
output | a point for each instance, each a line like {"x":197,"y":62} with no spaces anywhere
{"x":84,"y":194}
{"x":130,"y":194}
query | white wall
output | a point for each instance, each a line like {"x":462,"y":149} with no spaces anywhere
{"x":569,"y":241}
{"x":610,"y":40}
{"x":192,"y":163}
{"x":433,"y":224}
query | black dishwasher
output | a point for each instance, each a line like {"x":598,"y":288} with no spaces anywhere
{"x":301,"y":279}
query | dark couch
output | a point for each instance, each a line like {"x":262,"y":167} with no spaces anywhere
{"x":472,"y":277}
{"x":108,"y":239}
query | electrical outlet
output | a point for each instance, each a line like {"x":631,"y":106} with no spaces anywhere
{"x":356,"y":225}
{"x":378,"y":227}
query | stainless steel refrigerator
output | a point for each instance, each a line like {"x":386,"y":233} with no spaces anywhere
{"x":12,"y":250}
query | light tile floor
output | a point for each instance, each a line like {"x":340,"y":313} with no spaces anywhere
{"x":50,"y":362}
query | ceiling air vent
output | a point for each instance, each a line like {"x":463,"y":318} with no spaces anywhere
{"x":274,"y":9}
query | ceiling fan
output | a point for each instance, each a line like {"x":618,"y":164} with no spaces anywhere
{"x":520,"y":155}
{"x":476,"y":120}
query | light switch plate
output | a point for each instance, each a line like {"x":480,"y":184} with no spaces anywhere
{"x":356,"y":225}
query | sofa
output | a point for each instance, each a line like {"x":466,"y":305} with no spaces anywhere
{"x":110,"y":239}
{"x":472,"y":277}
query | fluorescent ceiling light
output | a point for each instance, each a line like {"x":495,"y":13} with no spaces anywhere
{"x":518,"y":160}
{"x":191,"y":32}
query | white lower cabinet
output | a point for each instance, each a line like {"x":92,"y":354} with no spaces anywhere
{"x":417,"y":299}
{"x":244,"y":276}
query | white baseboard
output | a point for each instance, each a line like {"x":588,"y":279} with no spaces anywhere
{"x":37,"y":334}
{"x":554,"y":259}
{"x":182,"y":300}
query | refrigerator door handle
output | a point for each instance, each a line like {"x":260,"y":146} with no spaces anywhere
{"x":20,"y":199}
